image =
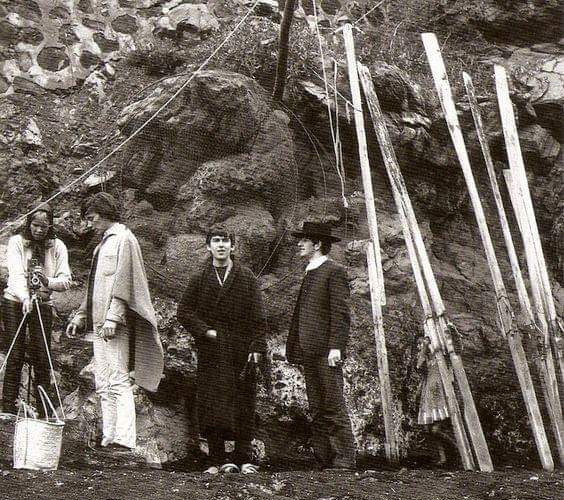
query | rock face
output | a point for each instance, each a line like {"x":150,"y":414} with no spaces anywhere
{"x":220,"y":155}
{"x":523,"y":23}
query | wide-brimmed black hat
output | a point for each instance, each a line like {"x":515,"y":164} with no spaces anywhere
{"x":320,"y":230}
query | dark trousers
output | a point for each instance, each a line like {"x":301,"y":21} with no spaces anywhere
{"x":35,"y":348}
{"x":242,"y":454}
{"x":333,"y":442}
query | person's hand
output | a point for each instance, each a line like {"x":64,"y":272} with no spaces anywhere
{"x":334,"y":358}
{"x":73,"y":327}
{"x":26,"y":306}
{"x":44,"y":280}
{"x":254,"y":357}
{"x":211,"y":334}
{"x":108,"y":330}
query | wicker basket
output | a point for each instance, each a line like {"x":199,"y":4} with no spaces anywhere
{"x":37,"y":443}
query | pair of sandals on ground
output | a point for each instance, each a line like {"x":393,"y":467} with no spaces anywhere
{"x":231,"y":468}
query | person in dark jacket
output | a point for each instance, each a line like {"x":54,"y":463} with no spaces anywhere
{"x":318,"y":340}
{"x":222,"y":309}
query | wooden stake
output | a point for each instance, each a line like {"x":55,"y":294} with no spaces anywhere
{"x":545,"y":367}
{"x":504,"y":307}
{"x":435,"y":325}
{"x":378,"y":290}
{"x":517,"y":166}
{"x":392,"y":445}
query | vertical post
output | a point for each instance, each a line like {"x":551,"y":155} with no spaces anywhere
{"x":377,"y":292}
{"x":435,"y":325}
{"x":504,"y":307}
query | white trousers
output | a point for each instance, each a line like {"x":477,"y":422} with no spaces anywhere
{"x":111,"y":359}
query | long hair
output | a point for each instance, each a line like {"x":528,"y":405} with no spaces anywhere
{"x":26,"y":233}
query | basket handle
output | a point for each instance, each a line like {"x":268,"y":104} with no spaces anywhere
{"x":26,"y":411}
{"x":45,"y":400}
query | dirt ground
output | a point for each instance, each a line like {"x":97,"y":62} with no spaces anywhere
{"x":125,"y":483}
{"x":87,"y":474}
{"x":90,"y":475}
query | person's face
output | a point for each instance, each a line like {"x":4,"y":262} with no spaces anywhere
{"x":306,"y":248}
{"x":95,"y":221}
{"x":39,"y":226}
{"x":220,"y":247}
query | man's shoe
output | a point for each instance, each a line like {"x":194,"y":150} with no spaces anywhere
{"x":99,"y":444}
{"x":119,"y":449}
{"x":213,"y":470}
{"x":249,"y":468}
{"x":229,"y":468}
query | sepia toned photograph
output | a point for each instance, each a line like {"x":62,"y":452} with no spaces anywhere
{"x":282,"y":249}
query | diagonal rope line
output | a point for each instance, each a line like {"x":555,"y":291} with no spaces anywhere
{"x":20,"y":219}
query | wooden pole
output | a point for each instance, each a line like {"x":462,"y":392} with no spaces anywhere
{"x":392,"y":445}
{"x":553,"y":403}
{"x":435,"y":325}
{"x":505,"y":311}
{"x":432,"y":330}
{"x":378,"y":290}
{"x":363,"y":148}
{"x":517,"y":166}
{"x":545,"y":364}
{"x":532,"y":262}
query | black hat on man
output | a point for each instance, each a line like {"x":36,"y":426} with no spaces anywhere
{"x":320,"y":230}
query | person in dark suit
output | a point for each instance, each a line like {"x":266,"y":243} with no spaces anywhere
{"x":318,"y":340}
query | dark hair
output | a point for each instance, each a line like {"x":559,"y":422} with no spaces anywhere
{"x":219,"y":230}
{"x":103,"y":204}
{"x":325,"y":244}
{"x":26,"y":233}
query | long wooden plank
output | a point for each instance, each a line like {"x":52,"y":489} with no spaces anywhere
{"x":377,"y":291}
{"x":432,"y":323}
{"x":363,"y":151}
{"x":552,"y":398}
{"x":506,"y":316}
{"x":517,"y":166}
{"x":392,"y":444}
{"x":544,"y":364}
{"x":432,"y":330}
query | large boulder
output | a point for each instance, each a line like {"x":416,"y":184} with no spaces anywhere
{"x":221,"y":139}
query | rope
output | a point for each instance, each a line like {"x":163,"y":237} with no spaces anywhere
{"x":368,"y":12}
{"x":137,"y":132}
{"x":334,"y":135}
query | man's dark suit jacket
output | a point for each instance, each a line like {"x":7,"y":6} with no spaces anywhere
{"x":321,"y":319}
